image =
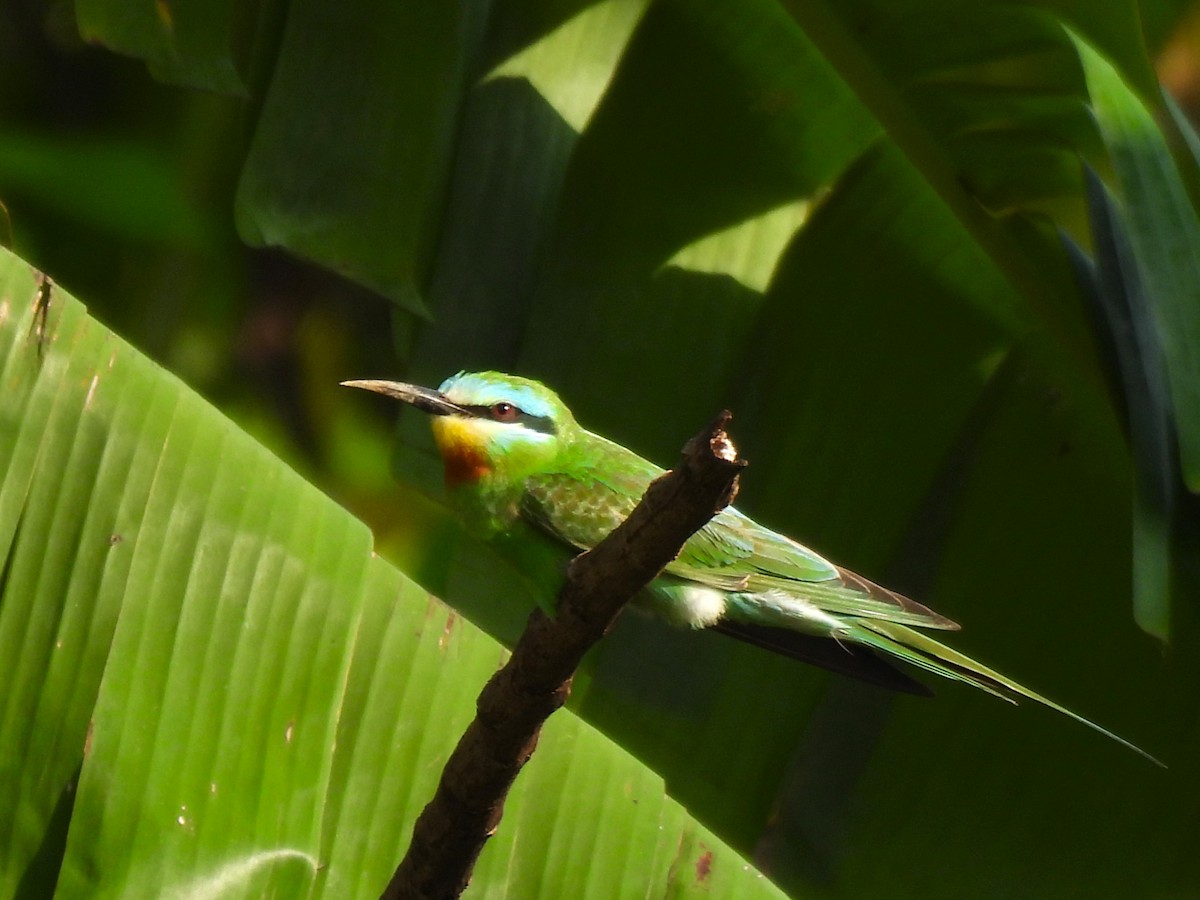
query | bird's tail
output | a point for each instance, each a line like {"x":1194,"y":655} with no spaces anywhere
{"x":924,"y":652}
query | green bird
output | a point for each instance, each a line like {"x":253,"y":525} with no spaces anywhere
{"x":514,"y":456}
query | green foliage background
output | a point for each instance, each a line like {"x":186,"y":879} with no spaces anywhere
{"x":866,"y":227}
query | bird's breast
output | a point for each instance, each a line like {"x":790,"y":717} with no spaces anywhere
{"x":462,"y":456}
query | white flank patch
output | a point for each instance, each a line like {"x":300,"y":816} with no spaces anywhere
{"x":701,"y":606}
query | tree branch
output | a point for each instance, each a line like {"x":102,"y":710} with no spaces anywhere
{"x":466,"y":808}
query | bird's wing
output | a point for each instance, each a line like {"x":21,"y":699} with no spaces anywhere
{"x":735,"y":553}
{"x":924,"y":652}
{"x":585,"y":500}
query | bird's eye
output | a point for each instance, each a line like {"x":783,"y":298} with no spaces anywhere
{"x":505,"y":412}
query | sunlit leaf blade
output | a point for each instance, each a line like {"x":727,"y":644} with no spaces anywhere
{"x":1164,"y":231}
{"x":518,"y":133}
{"x":1121,"y":32}
{"x":424,"y":655}
{"x":212,"y":686}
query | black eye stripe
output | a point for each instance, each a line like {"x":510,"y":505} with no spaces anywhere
{"x":543,"y":424}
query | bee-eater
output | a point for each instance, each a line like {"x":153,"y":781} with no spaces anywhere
{"x":514,"y":455}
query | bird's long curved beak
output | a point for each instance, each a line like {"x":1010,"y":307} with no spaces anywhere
{"x":423,"y":398}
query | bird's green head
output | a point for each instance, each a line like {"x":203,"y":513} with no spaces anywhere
{"x":490,"y":428}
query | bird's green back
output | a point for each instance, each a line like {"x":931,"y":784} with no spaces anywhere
{"x":595,"y":484}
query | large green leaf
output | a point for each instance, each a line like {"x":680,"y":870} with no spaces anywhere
{"x":194,"y":42}
{"x":833,"y":218}
{"x":213,"y":686}
{"x":1141,"y":380}
{"x":1164,"y":230}
{"x":862,"y":369}
{"x":367,"y":208}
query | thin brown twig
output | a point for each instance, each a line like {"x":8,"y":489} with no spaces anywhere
{"x":469,"y":801}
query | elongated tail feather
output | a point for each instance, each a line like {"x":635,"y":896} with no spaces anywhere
{"x":855,"y":661}
{"x":932,"y":656}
